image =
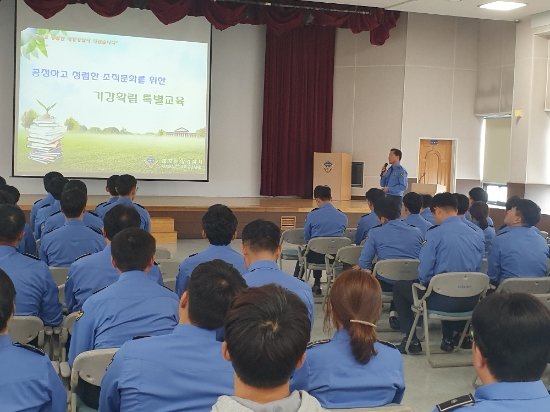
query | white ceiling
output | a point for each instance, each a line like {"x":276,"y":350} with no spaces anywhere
{"x":464,"y":8}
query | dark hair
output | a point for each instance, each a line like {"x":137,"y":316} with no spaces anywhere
{"x":480,"y":212}
{"x":73,"y":202}
{"x":322,"y":192}
{"x":261,"y":235}
{"x":397,"y":152}
{"x":76,"y":184}
{"x":478,"y":194}
{"x":2,"y":181}
{"x":211,"y":288}
{"x":413,"y":202}
{"x":7,"y":299}
{"x":13,"y":191}
{"x":512,"y":331}
{"x":356,"y":295}
{"x":132,"y":249}
{"x":125,"y":184}
{"x":6,"y":198}
{"x":426,"y":201}
{"x":374,"y":194}
{"x":48,"y":177}
{"x":529,"y":212}
{"x":266,"y":330}
{"x":462,"y":203}
{"x":444,"y":200}
{"x":56,"y":187}
{"x":511,"y":202}
{"x":119,"y":218}
{"x":111,"y":185}
{"x":388,"y":208}
{"x":219,"y":223}
{"x":12,"y":222}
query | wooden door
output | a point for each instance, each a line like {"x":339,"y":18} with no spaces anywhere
{"x":435,"y":162}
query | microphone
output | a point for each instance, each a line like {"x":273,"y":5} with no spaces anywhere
{"x":422,"y":177}
{"x":383,"y":169}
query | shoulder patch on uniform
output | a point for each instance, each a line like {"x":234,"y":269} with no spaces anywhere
{"x":383,"y":342}
{"x":43,"y":206}
{"x":137,"y":204}
{"x":30,"y":347}
{"x":102,"y":204}
{"x":79,"y":315}
{"x":402,"y":174}
{"x":374,"y":227}
{"x":194,"y":254}
{"x":141,"y":337}
{"x":32,"y":256}
{"x":81,"y":256}
{"x":315,"y":209}
{"x":366,"y":215}
{"x":317,"y":343}
{"x":95,"y":230}
{"x":423,"y":241}
{"x":37,"y":201}
{"x":50,"y":231}
{"x":53,"y":214}
{"x":99,"y":290}
{"x":456,"y":403}
{"x":92,"y":213}
{"x":433,"y":227}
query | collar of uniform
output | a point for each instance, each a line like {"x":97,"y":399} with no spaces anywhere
{"x":451,"y":220}
{"x":212,"y":247}
{"x":185,"y":329}
{"x":341,"y":334}
{"x":394,"y":222}
{"x":73,"y":222}
{"x":107,"y":250}
{"x":263,"y":264}
{"x":463,"y":218}
{"x":326,"y":205}
{"x":512,"y":390}
{"x":132,"y":276}
{"x":49,"y":198}
{"x":5,"y":340}
{"x":519,"y":228}
{"x":7,"y":250}
{"x":113,"y":199}
{"x":396,"y":165}
{"x":124,"y":200}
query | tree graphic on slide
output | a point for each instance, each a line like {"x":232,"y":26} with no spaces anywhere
{"x":27,"y":118}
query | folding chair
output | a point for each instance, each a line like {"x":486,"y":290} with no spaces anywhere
{"x":59,"y":275}
{"x":544,"y":234}
{"x":385,"y":408}
{"x":534,"y":286}
{"x":24,"y":329}
{"x":350,"y":233}
{"x":89,"y":366}
{"x":294,"y":237}
{"x":453,"y":284}
{"x":162,"y":253}
{"x":170,"y":283}
{"x":67,"y":329}
{"x":547,"y":267}
{"x":347,"y":254}
{"x":484,"y":266}
{"x":322,"y":245}
{"x":396,"y":269}
{"x":169,"y":268}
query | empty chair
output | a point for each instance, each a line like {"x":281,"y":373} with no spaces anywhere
{"x":59,"y":274}
{"x":484,"y":266}
{"x":66,"y":330}
{"x":394,"y":270}
{"x":25,"y":329}
{"x":293,"y":237}
{"x":347,"y":254}
{"x":321,"y":245}
{"x":534,"y":286}
{"x":350,"y":233}
{"x":168,"y":268}
{"x":162,"y":253}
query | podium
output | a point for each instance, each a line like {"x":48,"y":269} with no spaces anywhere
{"x":333,"y":170}
{"x":427,"y":188}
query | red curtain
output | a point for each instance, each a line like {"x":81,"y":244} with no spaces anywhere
{"x":299,"y":72}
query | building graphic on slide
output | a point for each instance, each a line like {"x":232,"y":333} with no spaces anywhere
{"x":44,"y":138}
{"x":181,"y":132}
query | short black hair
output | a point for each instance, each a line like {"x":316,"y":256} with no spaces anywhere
{"x":12,"y":222}
{"x":56,"y":187}
{"x":6,"y":198}
{"x":529,"y":212}
{"x":211,"y":288}
{"x":119,"y":218}
{"x":511,"y":202}
{"x":512,"y":331}
{"x":266,"y":331}
{"x":462,"y":203}
{"x":73,"y":202}
{"x":261,"y":235}
{"x":413,"y":202}
{"x":48,"y":177}
{"x":397,"y":152}
{"x":444,"y":200}
{"x":374,"y":194}
{"x":111,"y":185}
{"x":426,"y":201}
{"x":2,"y":181}
{"x":478,"y":194}
{"x":132,"y":249}
{"x":388,"y":208}
{"x":7,"y":299}
{"x":76,"y":184}
{"x":13,"y":191}
{"x":219,"y":223}
{"x":322,"y":192}
{"x":125,"y":184}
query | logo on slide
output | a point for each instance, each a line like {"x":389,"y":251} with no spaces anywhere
{"x":150,"y":161}
{"x":328,"y":166}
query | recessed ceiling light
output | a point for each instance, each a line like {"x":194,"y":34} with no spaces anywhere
{"x":502,"y":5}
{"x":454,"y":1}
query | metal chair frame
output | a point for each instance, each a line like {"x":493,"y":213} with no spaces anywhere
{"x":347,"y":254}
{"x":322,"y":245}
{"x":293,"y":237}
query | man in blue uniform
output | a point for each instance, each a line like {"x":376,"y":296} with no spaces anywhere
{"x":368,"y":221}
{"x":111,"y":189}
{"x":10,"y":195}
{"x":463,"y":204}
{"x":510,"y":353}
{"x":90,"y":273}
{"x":36,"y":290}
{"x":56,"y":189}
{"x":519,"y":252}
{"x":394,"y":180}
{"x":426,"y":211}
{"x":261,"y":249}
{"x":323,"y":221}
{"x":189,"y":360}
{"x":60,"y":247}
{"x":478,"y":194}
{"x":29,"y":382}
{"x":412,"y":204}
{"x":510,"y":203}
{"x":450,"y":247}
{"x":219,"y":227}
{"x":47,"y":200}
{"x":126,"y":187}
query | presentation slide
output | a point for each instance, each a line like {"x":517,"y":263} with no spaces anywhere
{"x":94,"y":104}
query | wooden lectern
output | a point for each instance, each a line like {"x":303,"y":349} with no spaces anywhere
{"x":333,"y":170}
{"x":427,"y":188}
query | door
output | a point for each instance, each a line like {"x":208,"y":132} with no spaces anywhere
{"x":435,"y":162}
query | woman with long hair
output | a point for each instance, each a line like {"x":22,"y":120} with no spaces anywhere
{"x":479,"y":212}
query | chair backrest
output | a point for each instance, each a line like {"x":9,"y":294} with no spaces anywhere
{"x":385,"y":408}
{"x":544,"y":234}
{"x":397,"y":269}
{"x":61,"y":294}
{"x":293,"y":236}
{"x":59,"y":275}
{"x":349,"y":254}
{"x":459,"y":284}
{"x":168,"y":268}
{"x":90,"y":366}
{"x":484,"y":266}
{"x":545,"y":299}
{"x":328,"y":245}
{"x":23,"y":329}
{"x":170,"y":283}
{"x":534,"y":286}
{"x":547,"y":267}
{"x":350,"y":233}
{"x":69,"y":321}
{"x":162,"y":253}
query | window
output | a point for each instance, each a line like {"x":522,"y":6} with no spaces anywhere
{"x":498,"y":193}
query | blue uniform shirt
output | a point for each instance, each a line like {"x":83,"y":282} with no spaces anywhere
{"x":57,"y":220}
{"x":477,"y":229}
{"x":489,"y":235}
{"x":37,"y":294}
{"x":225,"y":253}
{"x":263,"y":272}
{"x":93,"y":272}
{"x":450,"y":247}
{"x":131,"y":306}
{"x":103,"y":204}
{"x":29,"y":382}
{"x":395,"y":179}
{"x":366,"y":223}
{"x":182,"y":371}
{"x":27,"y":244}
{"x":418,"y":221}
{"x":392,"y":240}
{"x":143,"y":214}
{"x":62,"y":246}
{"x":331,"y":374}
{"x":324,"y":221}
{"x":517,"y":253}
{"x":42,"y":215}
{"x":47,"y":200}
{"x":428,"y":215}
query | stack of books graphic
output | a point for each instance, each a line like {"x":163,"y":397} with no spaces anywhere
{"x":44,"y":138}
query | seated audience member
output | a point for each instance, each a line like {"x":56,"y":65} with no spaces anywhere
{"x":462,"y":207}
{"x":261,"y":249}
{"x":219,"y":227}
{"x":60,"y":247}
{"x":368,"y":221}
{"x":478,"y":194}
{"x":27,"y":244}
{"x":29,"y":382}
{"x":93,"y":272}
{"x":111,"y":189}
{"x":479,"y":213}
{"x":57,"y":219}
{"x":510,"y":353}
{"x":266,"y":335}
{"x":47,"y":200}
{"x":126,"y":187}
{"x":36,"y":290}
{"x":450,"y":247}
{"x":189,"y":359}
{"x":353,"y":369}
{"x":412,"y":203}
{"x":510,"y":203}
{"x":519,"y":252}
{"x":426,"y":212}
{"x":325,"y":220}
{"x":56,"y":189}
{"x":2,"y":181}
